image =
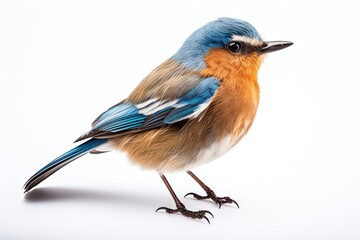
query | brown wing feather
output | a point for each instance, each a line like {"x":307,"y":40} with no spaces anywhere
{"x":167,"y":82}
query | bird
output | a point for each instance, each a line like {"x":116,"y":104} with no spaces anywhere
{"x":188,"y":111}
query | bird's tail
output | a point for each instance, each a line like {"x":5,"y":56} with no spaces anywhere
{"x":61,"y":161}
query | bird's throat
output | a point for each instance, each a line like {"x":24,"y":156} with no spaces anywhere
{"x":237,"y":98}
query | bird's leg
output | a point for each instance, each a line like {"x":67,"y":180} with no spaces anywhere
{"x":180,"y":207}
{"x":210,"y":193}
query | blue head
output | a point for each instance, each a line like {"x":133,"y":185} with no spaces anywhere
{"x":219,"y":34}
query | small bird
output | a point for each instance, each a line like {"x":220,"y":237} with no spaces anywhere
{"x":188,"y":111}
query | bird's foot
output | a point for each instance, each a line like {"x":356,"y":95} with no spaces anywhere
{"x":211,"y":195}
{"x":180,"y":208}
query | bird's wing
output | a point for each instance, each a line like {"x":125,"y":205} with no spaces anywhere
{"x":153,"y":112}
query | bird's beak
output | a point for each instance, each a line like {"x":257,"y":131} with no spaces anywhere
{"x":274,"y":46}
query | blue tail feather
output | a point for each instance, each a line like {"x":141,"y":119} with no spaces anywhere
{"x":61,"y":161}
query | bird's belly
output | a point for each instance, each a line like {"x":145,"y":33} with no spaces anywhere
{"x":167,"y":151}
{"x":182,"y":161}
{"x":213,"y":151}
{"x":176,"y":149}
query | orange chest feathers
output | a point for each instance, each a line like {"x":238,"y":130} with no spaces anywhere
{"x":235,"y":103}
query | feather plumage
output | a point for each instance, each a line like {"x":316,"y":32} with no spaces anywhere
{"x":190,"y":109}
{"x":155,"y":112}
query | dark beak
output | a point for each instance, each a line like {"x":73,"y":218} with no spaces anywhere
{"x":274,"y":46}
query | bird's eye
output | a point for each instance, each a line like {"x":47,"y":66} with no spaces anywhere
{"x":234,"y":47}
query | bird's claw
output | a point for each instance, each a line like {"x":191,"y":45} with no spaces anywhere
{"x":228,"y":200}
{"x":211,"y":195}
{"x":187,"y":213}
{"x":197,"y":196}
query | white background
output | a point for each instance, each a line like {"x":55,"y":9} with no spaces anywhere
{"x":295,"y":175}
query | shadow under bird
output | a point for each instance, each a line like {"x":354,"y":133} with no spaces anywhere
{"x":188,"y":111}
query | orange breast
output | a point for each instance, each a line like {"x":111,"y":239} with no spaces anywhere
{"x":236,"y":101}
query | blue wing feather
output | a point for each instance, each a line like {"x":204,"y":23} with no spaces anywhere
{"x":126,"y":116}
{"x":192,"y":100}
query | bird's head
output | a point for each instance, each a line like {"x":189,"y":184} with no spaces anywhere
{"x":226,"y":43}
